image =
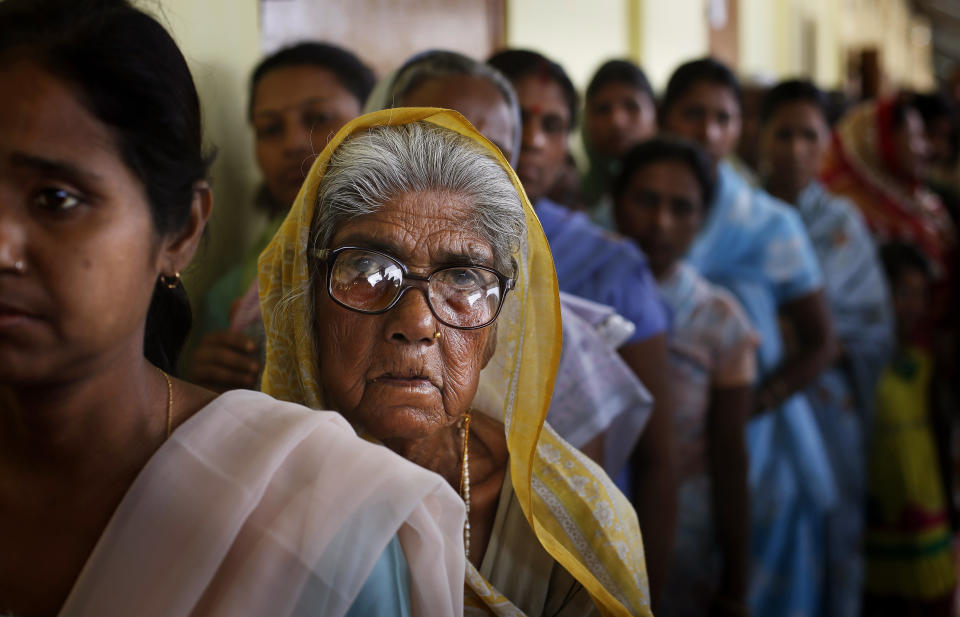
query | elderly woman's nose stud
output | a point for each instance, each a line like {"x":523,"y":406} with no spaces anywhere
{"x":437,"y":334}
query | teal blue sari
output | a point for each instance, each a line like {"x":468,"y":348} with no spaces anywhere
{"x":756,"y":246}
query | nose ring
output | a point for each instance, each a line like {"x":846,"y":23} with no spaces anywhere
{"x":19,"y":266}
{"x":437,"y":334}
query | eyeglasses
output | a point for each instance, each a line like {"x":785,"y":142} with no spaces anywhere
{"x":367,"y":281}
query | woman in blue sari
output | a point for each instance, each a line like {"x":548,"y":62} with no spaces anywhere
{"x":757,"y":247}
{"x":794,"y":139}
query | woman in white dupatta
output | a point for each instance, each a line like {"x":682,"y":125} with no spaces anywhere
{"x":124,"y":491}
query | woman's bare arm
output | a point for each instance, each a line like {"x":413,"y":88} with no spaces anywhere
{"x":816,"y":348}
{"x":727,"y":458}
{"x":654,"y":481}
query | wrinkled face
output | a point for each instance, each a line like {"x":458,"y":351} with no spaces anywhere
{"x":793,"y":142}
{"x":388,"y":373}
{"x":546,"y":124}
{"x":910,"y":146}
{"x":662,"y":209}
{"x":296,"y":110}
{"x":619,"y":116}
{"x":480,"y":102}
{"x":77,"y":222}
{"x":708,"y":114}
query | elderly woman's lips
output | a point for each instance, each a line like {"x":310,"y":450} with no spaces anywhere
{"x":404,"y":381}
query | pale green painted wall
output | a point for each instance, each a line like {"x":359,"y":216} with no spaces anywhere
{"x":579,"y":35}
{"x":221,"y":41}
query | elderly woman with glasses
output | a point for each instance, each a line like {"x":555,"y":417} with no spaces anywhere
{"x":412,"y":290}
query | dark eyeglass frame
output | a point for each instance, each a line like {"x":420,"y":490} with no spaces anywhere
{"x":408,"y":280}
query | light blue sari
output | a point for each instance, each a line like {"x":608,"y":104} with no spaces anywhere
{"x":842,"y":397}
{"x":757,"y":247}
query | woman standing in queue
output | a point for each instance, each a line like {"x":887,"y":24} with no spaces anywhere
{"x":123,"y":490}
{"x":757,"y":247}
{"x":661,"y":199}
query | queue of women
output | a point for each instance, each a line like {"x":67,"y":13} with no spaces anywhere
{"x":450,"y":377}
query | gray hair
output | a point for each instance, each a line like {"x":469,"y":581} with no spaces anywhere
{"x":436,"y":64}
{"x":371,"y":168}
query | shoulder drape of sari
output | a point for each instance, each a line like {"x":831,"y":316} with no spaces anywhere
{"x":260,"y":507}
{"x":596,"y":391}
{"x":854,"y":285}
{"x":577,"y":514}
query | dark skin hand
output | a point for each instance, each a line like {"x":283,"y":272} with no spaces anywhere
{"x":729,"y":410}
{"x":652,"y":461}
{"x":808,"y":320}
{"x":226,"y":360}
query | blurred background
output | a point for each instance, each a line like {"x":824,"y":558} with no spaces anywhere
{"x":858,"y":47}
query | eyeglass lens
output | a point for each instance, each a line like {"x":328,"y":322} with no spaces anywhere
{"x":460,"y":296}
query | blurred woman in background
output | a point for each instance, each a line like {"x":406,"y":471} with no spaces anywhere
{"x":878,"y":160}
{"x":620,"y":111}
{"x":794,"y":138}
{"x":661,"y":200}
{"x":300,"y":96}
{"x":757,"y":247}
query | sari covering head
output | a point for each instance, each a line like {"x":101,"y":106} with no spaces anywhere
{"x":862,"y":167}
{"x":577,"y":514}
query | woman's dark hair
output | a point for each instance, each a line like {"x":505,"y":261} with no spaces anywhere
{"x":935,"y":106}
{"x":667,"y":149}
{"x":519,"y":63}
{"x":690,"y":74}
{"x":355,"y":76}
{"x":897,"y":257}
{"x":620,"y":72}
{"x":903,"y":103}
{"x":792,"y":91}
{"x":128,"y":72}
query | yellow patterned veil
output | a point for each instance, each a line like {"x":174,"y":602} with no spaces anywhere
{"x":579,"y":517}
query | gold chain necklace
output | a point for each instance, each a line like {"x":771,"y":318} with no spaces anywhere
{"x":169,"y":402}
{"x":465,"y":480}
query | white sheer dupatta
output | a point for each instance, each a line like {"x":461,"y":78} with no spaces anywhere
{"x":260,"y":507}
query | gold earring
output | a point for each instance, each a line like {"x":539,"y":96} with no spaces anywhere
{"x":170,"y":281}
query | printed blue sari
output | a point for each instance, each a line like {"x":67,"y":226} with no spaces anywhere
{"x":843,"y":396}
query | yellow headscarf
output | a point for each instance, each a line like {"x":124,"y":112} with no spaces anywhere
{"x":579,"y":517}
